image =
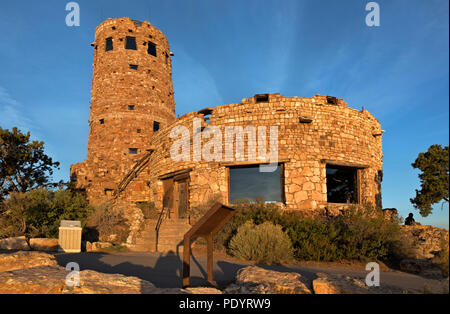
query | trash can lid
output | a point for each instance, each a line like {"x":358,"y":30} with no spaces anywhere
{"x":70,"y":223}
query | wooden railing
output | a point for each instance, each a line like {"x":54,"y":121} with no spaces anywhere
{"x":158,"y":226}
{"x":133,"y":173}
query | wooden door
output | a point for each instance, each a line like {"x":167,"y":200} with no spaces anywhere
{"x":168,"y":198}
{"x":182,"y":198}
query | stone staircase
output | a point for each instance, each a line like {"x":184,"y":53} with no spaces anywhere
{"x":170,"y":237}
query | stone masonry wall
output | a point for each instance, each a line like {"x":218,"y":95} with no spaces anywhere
{"x":336,"y":133}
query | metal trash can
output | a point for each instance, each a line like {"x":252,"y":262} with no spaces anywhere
{"x":69,"y":236}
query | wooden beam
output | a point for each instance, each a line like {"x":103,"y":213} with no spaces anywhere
{"x":174,"y":173}
{"x":305,"y":119}
{"x":344,"y":163}
{"x":250,"y":163}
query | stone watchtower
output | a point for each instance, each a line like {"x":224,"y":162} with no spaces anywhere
{"x":132,"y":98}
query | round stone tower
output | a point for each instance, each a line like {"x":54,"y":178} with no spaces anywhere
{"x":132,"y":95}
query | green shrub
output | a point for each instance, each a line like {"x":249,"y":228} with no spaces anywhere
{"x":265,"y":243}
{"x":314,"y":239}
{"x":361,"y":233}
{"x":38,"y":213}
{"x":366,"y":235}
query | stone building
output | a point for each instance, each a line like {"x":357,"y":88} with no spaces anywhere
{"x":327,"y":154}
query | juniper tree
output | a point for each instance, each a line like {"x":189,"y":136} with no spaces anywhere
{"x":23,"y":163}
{"x":434,"y":178}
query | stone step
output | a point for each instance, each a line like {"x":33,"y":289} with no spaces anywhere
{"x":171,"y":234}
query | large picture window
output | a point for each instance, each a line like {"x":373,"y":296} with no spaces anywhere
{"x":342,"y":184}
{"x":248,"y":183}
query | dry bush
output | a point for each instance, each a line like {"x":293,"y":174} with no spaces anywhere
{"x":109,"y":224}
{"x":265,"y":243}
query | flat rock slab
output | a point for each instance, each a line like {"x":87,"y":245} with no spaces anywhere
{"x":341,"y":284}
{"x":36,"y":280}
{"x":39,"y":273}
{"x":22,"y":260}
{"x":44,"y":244}
{"x":257,"y":280}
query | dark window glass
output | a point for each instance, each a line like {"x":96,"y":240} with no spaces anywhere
{"x":341,"y":184}
{"x":133,"y":67}
{"x":130,"y":107}
{"x":133,"y":151}
{"x":151,"y":49}
{"x":248,"y":183}
{"x":131,"y":43}
{"x":332,"y":100}
{"x":262,"y":98}
{"x":102,"y":121}
{"x":109,"y":44}
{"x":155,"y":126}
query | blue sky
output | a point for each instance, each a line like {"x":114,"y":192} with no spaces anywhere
{"x":229,"y":50}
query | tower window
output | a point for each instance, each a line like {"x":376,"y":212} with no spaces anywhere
{"x":167,"y":58}
{"x":151,"y":49}
{"x":332,"y":100}
{"x":109,"y":44}
{"x":131,"y":43}
{"x":102,"y":121}
{"x":138,"y":131}
{"x":132,"y":151}
{"x":262,"y":98}
{"x":130,"y":107}
{"x":155,"y":126}
{"x":133,"y":66}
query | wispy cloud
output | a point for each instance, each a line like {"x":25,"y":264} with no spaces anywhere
{"x":286,"y":21}
{"x":195,"y":86}
{"x":12,"y":113}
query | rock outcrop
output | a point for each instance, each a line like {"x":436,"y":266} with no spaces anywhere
{"x":424,"y":241}
{"x":14,"y":243}
{"x":37,"y":244}
{"x":427,"y":246}
{"x":39,"y":273}
{"x":23,"y":260}
{"x":97,"y":246}
{"x":44,"y":245}
{"x":257,"y":280}
{"x":341,"y":284}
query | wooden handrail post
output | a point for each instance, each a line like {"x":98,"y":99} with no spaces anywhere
{"x":187,"y":262}
{"x":209,"y":241}
{"x":206,"y":227}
